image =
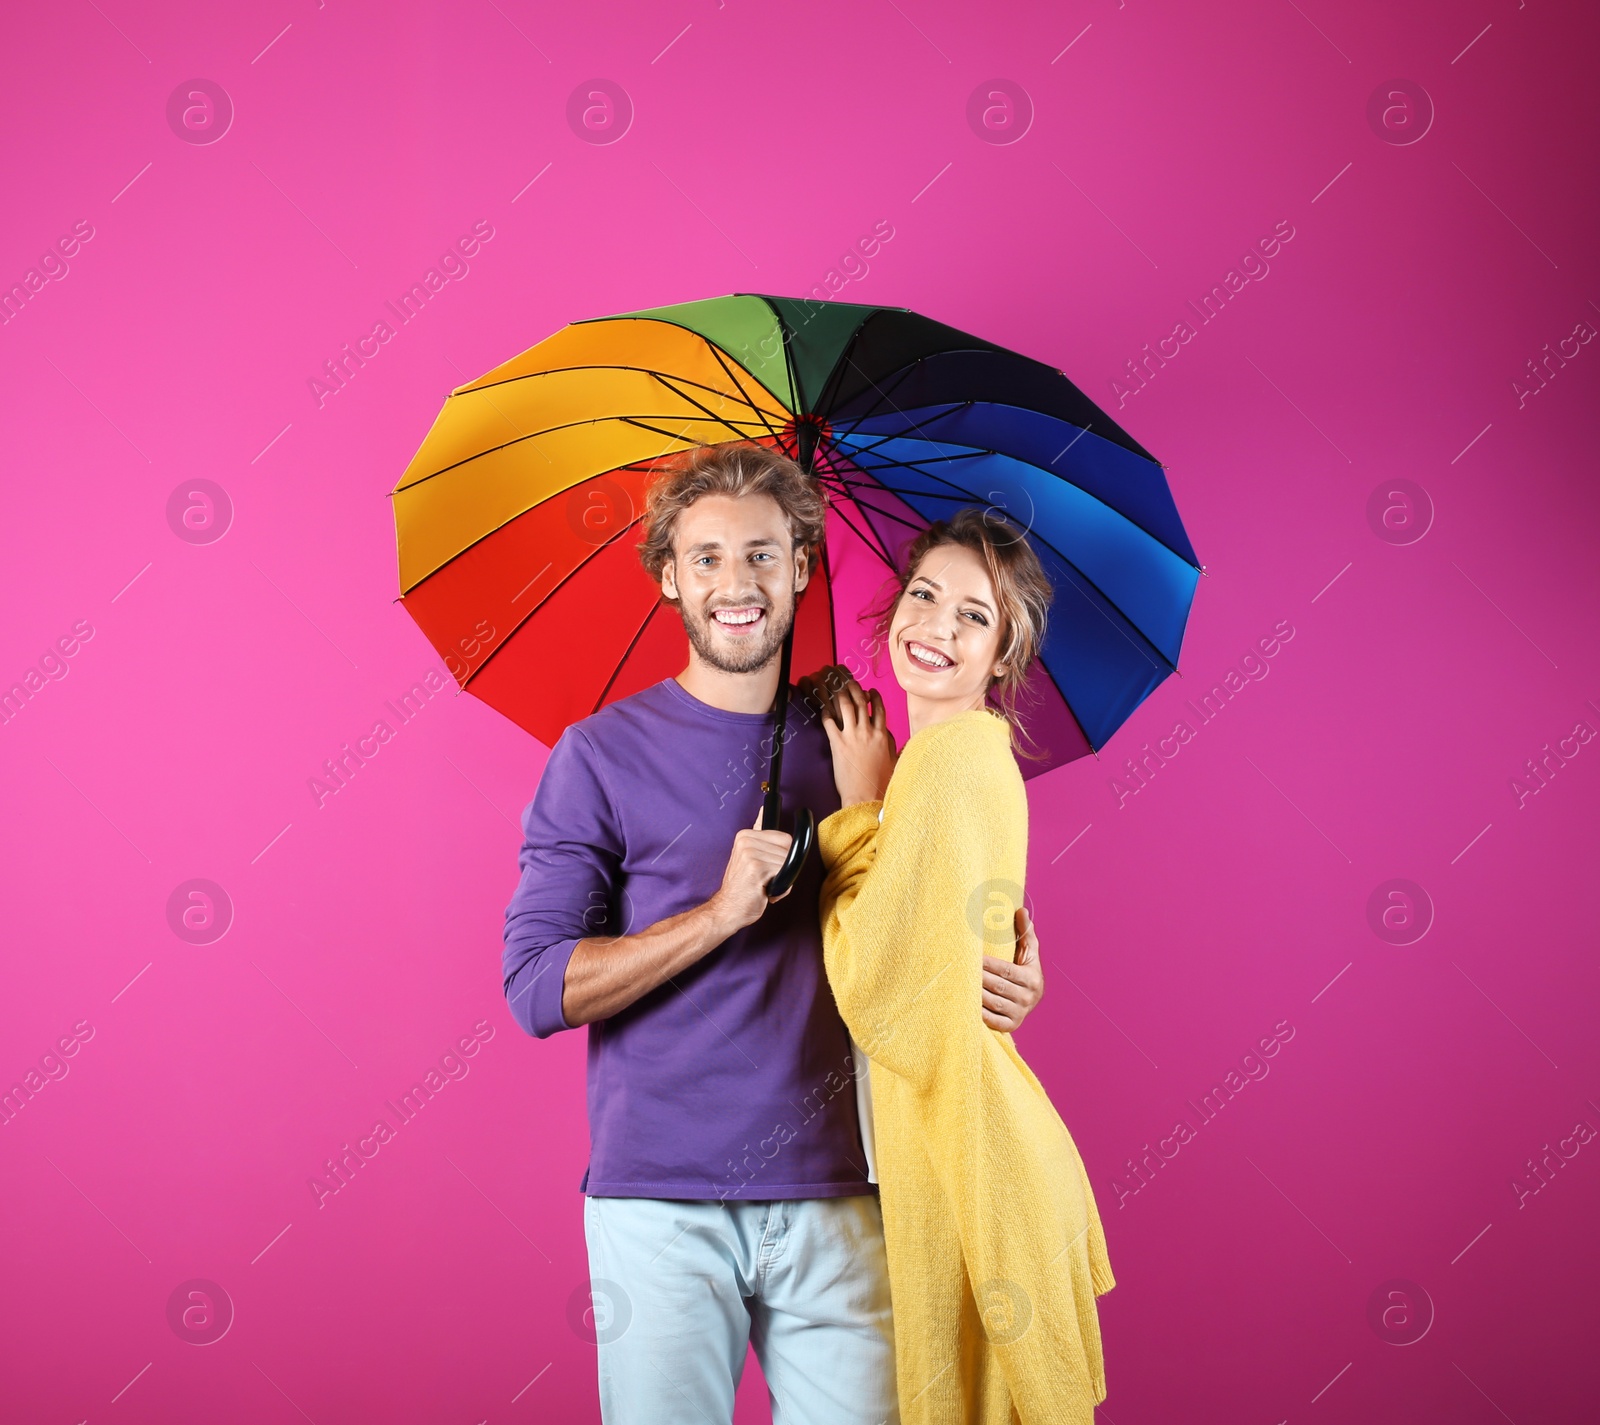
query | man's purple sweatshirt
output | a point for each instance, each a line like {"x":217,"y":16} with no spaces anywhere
{"x":732,"y":1080}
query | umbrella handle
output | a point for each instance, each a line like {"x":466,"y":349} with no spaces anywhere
{"x":805,"y":835}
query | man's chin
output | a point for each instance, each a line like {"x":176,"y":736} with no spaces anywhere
{"x":729,"y":656}
{"x":741,"y":659}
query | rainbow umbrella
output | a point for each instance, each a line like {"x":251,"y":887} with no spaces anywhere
{"x":515,"y":520}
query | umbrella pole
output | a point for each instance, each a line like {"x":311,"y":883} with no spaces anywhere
{"x":770,"y":807}
{"x":804,"y":822}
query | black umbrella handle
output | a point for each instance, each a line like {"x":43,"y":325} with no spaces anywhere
{"x":804,"y":822}
{"x":805,"y":836}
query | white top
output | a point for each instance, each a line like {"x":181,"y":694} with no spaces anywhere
{"x":864,"y":1108}
{"x":864,"y":1094}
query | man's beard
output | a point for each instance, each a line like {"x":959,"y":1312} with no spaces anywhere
{"x":746,"y":657}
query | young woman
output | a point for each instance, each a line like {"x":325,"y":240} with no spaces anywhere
{"x":995,"y":1247}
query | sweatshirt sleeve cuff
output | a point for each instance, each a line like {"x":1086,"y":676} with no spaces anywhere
{"x":846,"y":828}
{"x":544,"y":993}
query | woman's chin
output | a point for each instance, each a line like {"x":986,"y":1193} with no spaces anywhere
{"x":912,"y":684}
{"x":930,"y":687}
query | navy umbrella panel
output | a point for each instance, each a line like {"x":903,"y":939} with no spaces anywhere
{"x":922,"y":419}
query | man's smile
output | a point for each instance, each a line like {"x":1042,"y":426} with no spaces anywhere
{"x":740,"y":622}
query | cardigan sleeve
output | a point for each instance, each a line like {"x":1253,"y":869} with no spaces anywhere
{"x":905,"y":966}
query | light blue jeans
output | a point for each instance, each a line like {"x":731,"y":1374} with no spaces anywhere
{"x":680,"y":1288}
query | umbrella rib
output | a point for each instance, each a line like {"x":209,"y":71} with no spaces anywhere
{"x":879,"y":549}
{"x":846,"y":488}
{"x":665,"y":381}
{"x":879,"y":509}
{"x":550,"y":593}
{"x":1066,"y":702}
{"x":655,"y":608}
{"x":643,"y":423}
{"x":947,"y":407}
{"x":850,"y":489}
{"x":716,"y":350}
{"x":917,"y":465}
{"x":972,"y":451}
{"x":788,"y":355}
{"x":917,"y":426}
{"x":902,"y":375}
{"x":1161,"y":660}
{"x":530,"y":435}
{"x":911,"y":465}
{"x":733,"y":376}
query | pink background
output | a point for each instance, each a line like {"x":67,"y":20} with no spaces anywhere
{"x":1227,"y":896}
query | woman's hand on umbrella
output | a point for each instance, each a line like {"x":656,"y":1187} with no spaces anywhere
{"x":863,"y":747}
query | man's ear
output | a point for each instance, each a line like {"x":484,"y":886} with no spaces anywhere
{"x":802,"y":572}
{"x":669,"y":582}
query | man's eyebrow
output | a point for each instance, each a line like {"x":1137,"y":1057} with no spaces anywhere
{"x":757,"y":543}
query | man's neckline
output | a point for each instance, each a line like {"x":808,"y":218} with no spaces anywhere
{"x":676,"y":689}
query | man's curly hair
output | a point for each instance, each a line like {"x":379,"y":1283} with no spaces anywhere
{"x":736,"y":468}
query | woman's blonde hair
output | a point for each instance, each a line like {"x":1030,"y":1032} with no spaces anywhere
{"x":1021,"y":587}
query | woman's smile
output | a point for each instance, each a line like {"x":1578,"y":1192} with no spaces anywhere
{"x":926,"y":656}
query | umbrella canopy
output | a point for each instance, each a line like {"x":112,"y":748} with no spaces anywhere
{"x":516,"y":521}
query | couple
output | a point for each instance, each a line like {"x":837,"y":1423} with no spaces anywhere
{"x":738,"y":1152}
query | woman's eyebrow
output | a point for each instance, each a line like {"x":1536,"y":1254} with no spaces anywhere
{"x":924,"y":579}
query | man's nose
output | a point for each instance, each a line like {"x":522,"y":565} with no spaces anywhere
{"x":738,"y":589}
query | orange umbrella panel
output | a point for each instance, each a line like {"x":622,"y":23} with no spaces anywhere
{"x":591,"y":399}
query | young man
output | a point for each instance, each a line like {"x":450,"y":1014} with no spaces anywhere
{"x":729,"y":1199}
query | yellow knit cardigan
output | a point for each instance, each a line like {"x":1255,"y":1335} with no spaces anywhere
{"x":995,"y":1247}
